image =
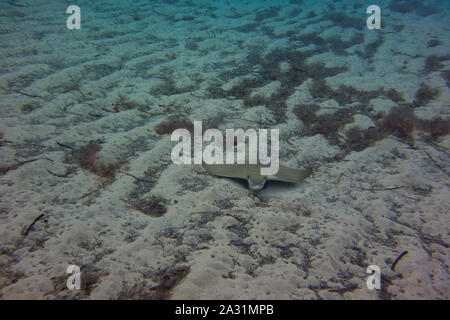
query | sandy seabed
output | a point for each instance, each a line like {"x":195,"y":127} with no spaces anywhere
{"x":141,"y":227}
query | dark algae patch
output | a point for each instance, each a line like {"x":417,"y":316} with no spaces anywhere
{"x":168,"y":126}
{"x":89,"y":159}
{"x":400,"y":122}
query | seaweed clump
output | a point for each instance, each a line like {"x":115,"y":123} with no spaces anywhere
{"x":328,"y":124}
{"x":29,"y":107}
{"x":306,"y":112}
{"x":311,"y":15}
{"x":417,"y":6}
{"x":153,"y":207}
{"x":433,"y":43}
{"x":168,"y":126}
{"x":436,"y":127}
{"x":89,"y":159}
{"x":339,"y":46}
{"x":434,"y":63}
{"x":345,"y":21}
{"x":319,"y":89}
{"x":270,"y":71}
{"x":425,"y":94}
{"x":371,"y":49}
{"x":394,"y":95}
{"x":446,"y":76}
{"x":168,"y":86}
{"x":2,"y":141}
{"x":400,"y":122}
{"x":123,"y":103}
{"x":358,"y":139}
{"x":90,"y":278}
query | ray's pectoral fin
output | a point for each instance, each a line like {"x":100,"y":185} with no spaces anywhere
{"x":226,"y":170}
{"x":291,"y":174}
{"x":252,"y":173}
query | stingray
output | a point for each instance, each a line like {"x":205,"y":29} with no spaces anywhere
{"x":252,"y":173}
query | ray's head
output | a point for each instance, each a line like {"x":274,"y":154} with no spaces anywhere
{"x":256,"y":183}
